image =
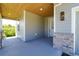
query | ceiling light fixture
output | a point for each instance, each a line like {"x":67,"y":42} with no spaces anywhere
{"x":9,"y":13}
{"x":41,"y":9}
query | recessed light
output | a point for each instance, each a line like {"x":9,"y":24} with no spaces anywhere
{"x":41,"y":9}
{"x":9,"y":13}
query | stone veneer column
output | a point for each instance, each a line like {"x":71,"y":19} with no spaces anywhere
{"x":65,"y":42}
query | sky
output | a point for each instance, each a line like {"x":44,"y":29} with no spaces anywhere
{"x":7,"y":21}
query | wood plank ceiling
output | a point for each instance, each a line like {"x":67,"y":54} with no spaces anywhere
{"x":14,"y":10}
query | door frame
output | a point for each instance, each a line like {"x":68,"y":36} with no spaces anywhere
{"x":73,"y":24}
{"x":50,"y":29}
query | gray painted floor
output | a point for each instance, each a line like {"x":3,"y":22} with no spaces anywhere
{"x":39,"y":47}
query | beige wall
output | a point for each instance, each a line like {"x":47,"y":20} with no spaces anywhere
{"x":46,"y":26}
{"x":34,"y":26}
{"x":66,"y":25}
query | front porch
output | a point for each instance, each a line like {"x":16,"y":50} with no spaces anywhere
{"x":38,"y":47}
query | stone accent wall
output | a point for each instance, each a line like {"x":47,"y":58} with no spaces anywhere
{"x":64,"y":41}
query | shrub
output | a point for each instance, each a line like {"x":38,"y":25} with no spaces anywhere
{"x":9,"y":30}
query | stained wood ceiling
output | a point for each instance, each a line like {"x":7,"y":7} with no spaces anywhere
{"x":14,"y":10}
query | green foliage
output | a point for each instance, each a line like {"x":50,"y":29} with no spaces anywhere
{"x":9,"y":30}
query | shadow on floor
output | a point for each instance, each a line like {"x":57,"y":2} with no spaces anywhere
{"x":64,"y":54}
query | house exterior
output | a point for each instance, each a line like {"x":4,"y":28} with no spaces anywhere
{"x":62,"y":27}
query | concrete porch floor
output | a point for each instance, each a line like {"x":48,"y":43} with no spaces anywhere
{"x":39,"y":47}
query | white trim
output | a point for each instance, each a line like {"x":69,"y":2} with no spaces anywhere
{"x":24,"y":23}
{"x":73,"y":24}
{"x":58,"y":4}
{"x":55,"y":15}
{"x":16,"y":30}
